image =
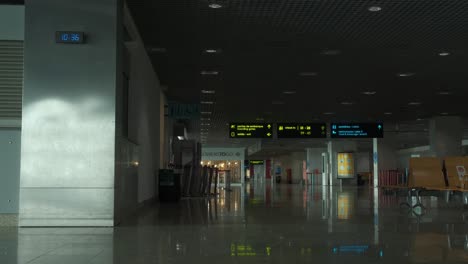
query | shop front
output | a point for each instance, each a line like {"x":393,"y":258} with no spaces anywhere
{"x":229,"y":162}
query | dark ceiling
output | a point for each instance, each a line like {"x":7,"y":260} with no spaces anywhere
{"x":325,"y":53}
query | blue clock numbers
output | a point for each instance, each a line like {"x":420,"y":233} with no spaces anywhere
{"x":69,"y":37}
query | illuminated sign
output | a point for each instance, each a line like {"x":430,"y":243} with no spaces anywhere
{"x":301,"y":130}
{"x":250,"y":130}
{"x":69,"y":37}
{"x":345,"y":165}
{"x":256,"y":162}
{"x":356,"y":130}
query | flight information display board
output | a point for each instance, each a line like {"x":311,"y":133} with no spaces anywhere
{"x":357,"y":130}
{"x":250,"y":130}
{"x":301,"y":130}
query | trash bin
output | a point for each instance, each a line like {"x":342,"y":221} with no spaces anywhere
{"x":169,"y":186}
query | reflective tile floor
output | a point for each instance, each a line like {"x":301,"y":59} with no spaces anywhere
{"x":262,"y":224}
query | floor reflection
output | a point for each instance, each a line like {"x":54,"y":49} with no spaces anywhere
{"x":261,"y":223}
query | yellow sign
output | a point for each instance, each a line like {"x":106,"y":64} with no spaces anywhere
{"x":345,"y":165}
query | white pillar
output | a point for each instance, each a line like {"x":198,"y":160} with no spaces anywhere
{"x":330,"y":163}
{"x":376,"y":162}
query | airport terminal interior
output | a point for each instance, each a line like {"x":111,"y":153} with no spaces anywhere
{"x":233,"y":131}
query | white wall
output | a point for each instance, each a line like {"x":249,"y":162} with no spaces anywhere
{"x":144,"y":113}
{"x":293,"y":161}
{"x":11,"y":22}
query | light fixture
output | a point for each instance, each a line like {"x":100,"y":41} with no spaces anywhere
{"x":414,"y":103}
{"x":444,"y":53}
{"x":207,"y":102}
{"x":369,"y":92}
{"x":277,"y":103}
{"x":215,"y":6}
{"x":347,"y":103}
{"x":308,"y":74}
{"x":444,"y":113}
{"x":374,"y":8}
{"x":205,"y":119}
{"x":259,"y":119}
{"x":331,"y":52}
{"x":201,"y":163}
{"x":388,"y":113}
{"x":157,"y":50}
{"x":419,"y":119}
{"x":206,"y":113}
{"x":289,"y":92}
{"x":208,"y":91}
{"x":212,"y":51}
{"x":444,"y":93}
{"x":180,"y":137}
{"x":329,"y":113}
{"x":205,"y":124}
{"x":405,"y":74}
{"x":209,"y":72}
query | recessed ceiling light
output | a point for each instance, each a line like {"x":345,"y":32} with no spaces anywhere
{"x":157,"y":50}
{"x":444,"y":93}
{"x":414,"y":103}
{"x":405,"y":74}
{"x":277,"y":103}
{"x":308,"y":74}
{"x":205,"y":119}
{"x":444,"y":113}
{"x":207,"y":102}
{"x":215,"y":6}
{"x":205,"y":124}
{"x":388,"y":113}
{"x":213,"y":51}
{"x":369,"y":93}
{"x":331,"y":52}
{"x":205,"y":113}
{"x":347,"y":103}
{"x":208,"y":91}
{"x":444,"y":53}
{"x":329,"y":113}
{"x":374,"y":8}
{"x":209,"y":72}
{"x":289,"y":92}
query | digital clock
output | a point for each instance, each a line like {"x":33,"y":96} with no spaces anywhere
{"x":69,"y":37}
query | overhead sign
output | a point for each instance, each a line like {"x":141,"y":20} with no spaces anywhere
{"x":250,"y":130}
{"x":301,"y":130}
{"x":69,"y":37}
{"x":356,"y":130}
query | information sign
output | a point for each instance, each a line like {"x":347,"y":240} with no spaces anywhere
{"x":356,"y":130}
{"x":250,"y":130}
{"x":301,"y":130}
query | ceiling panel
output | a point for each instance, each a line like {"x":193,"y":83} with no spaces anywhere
{"x":326,"y":51}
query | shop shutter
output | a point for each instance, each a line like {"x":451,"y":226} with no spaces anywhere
{"x":11,"y":79}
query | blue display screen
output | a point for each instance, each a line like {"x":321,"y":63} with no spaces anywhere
{"x":69,"y":37}
{"x":356,"y":130}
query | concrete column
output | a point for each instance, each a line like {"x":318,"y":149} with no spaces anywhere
{"x":314,"y":160}
{"x":445,"y":136}
{"x":72,"y":114}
